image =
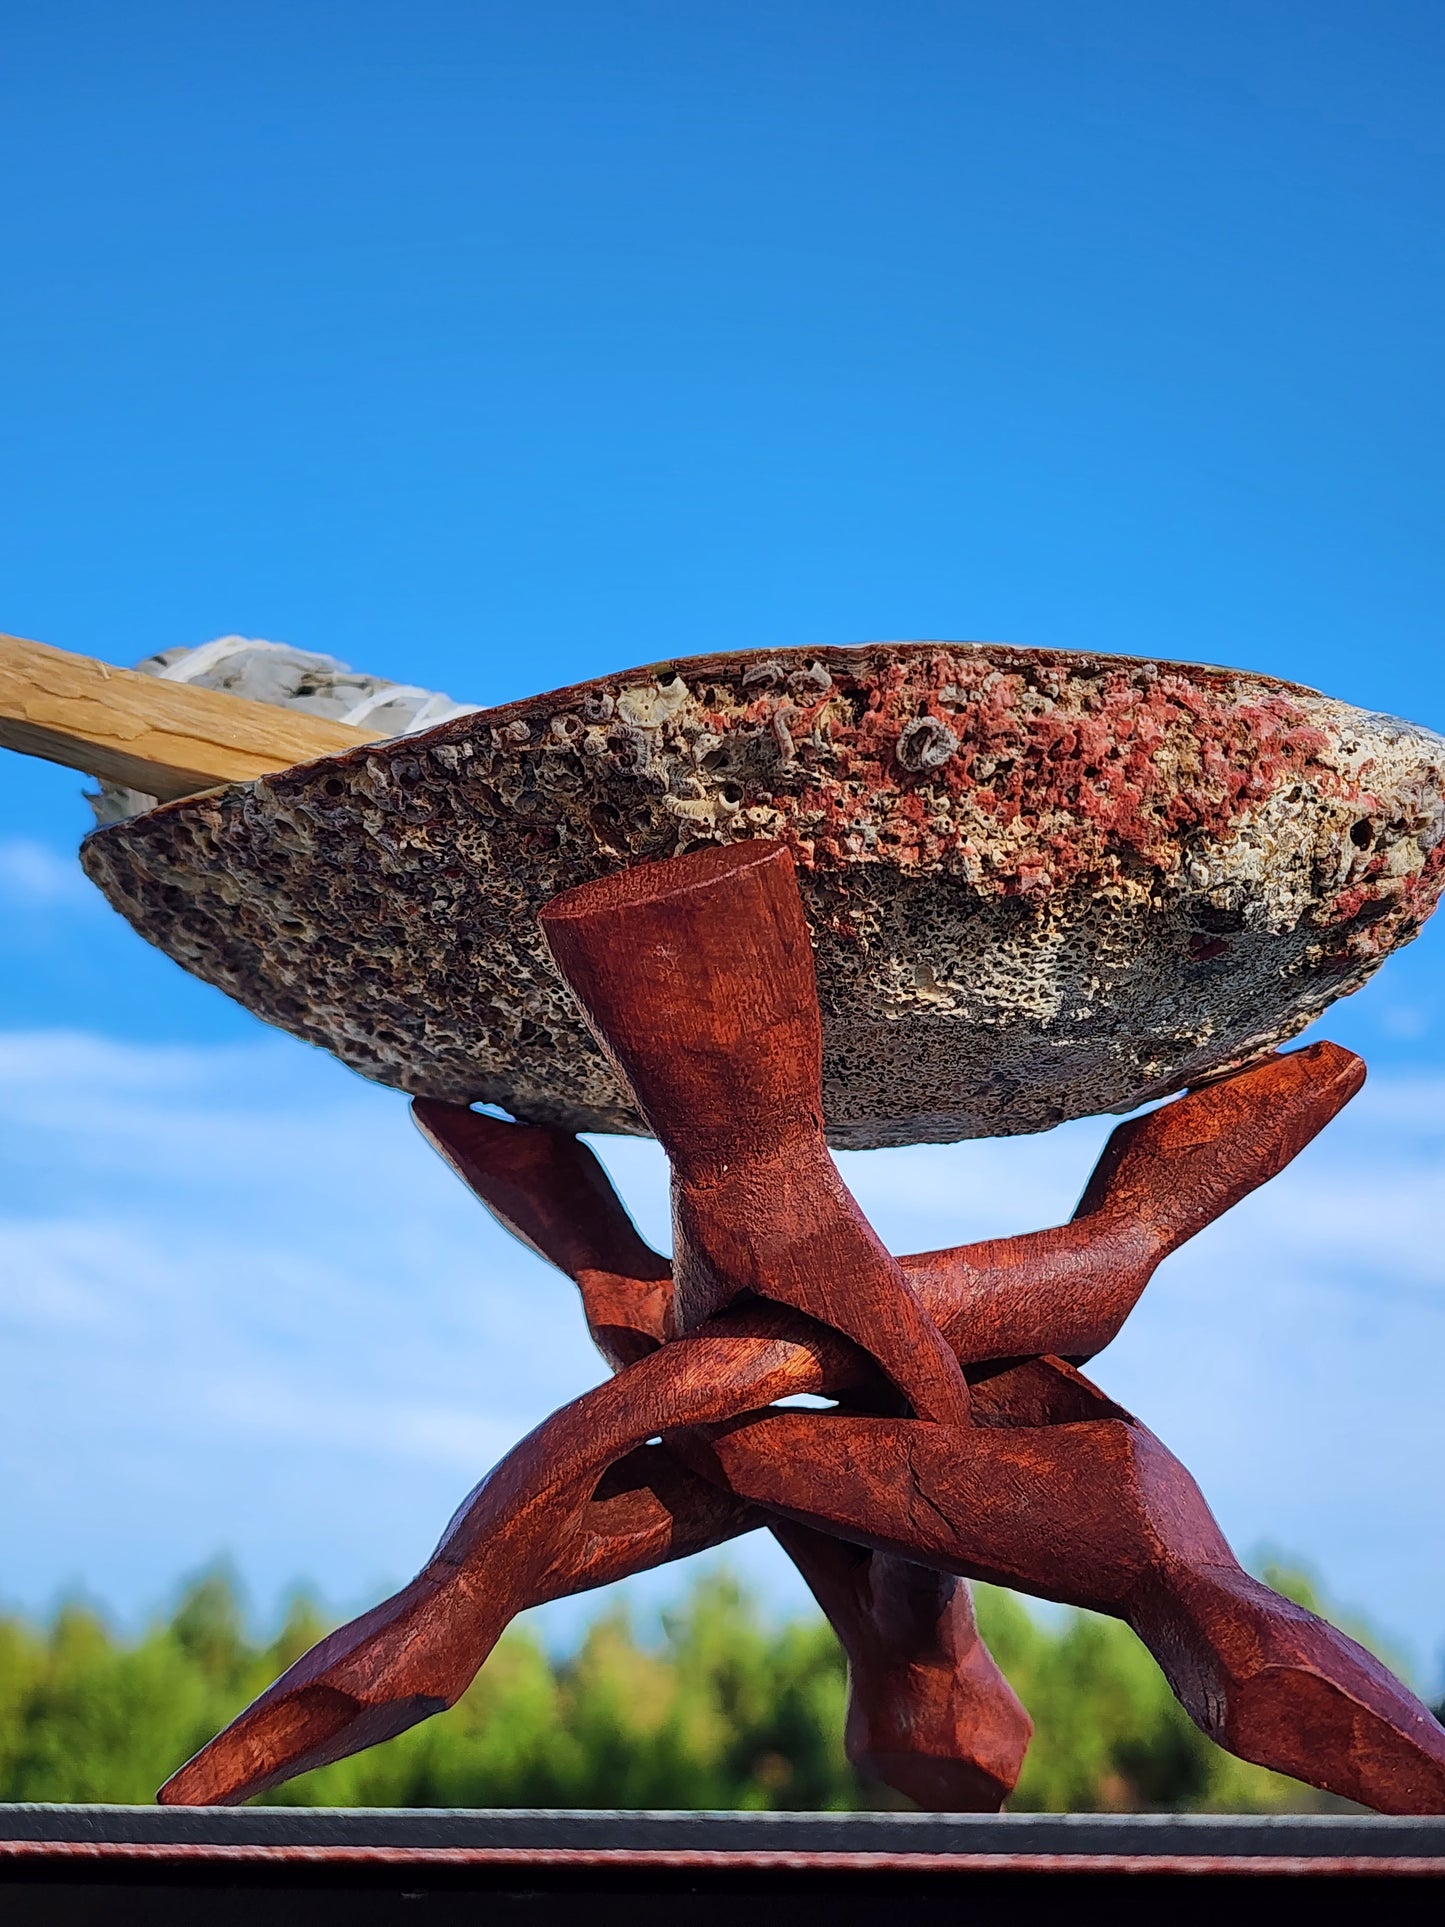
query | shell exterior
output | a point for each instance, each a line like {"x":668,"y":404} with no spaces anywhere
{"x":1041,"y":885}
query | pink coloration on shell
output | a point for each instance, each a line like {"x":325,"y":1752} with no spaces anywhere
{"x":1040,"y":884}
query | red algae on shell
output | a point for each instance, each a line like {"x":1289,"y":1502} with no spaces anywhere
{"x":1041,"y":885}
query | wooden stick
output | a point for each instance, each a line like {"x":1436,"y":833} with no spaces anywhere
{"x":166,"y":739}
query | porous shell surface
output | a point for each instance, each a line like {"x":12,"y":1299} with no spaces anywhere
{"x":1041,"y":885}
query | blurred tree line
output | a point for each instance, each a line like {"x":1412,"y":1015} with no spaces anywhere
{"x":725,"y":1710}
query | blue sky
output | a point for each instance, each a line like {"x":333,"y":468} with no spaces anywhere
{"x":490,"y":346}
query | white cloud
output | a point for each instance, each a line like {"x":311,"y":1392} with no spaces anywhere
{"x":33,"y":874}
{"x":232,"y":1269}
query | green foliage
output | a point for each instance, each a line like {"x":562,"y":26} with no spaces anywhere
{"x":725,"y":1710}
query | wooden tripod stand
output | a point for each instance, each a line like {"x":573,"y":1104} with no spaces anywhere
{"x":962,"y":1442}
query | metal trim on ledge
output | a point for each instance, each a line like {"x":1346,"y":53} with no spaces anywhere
{"x":530,"y":1832}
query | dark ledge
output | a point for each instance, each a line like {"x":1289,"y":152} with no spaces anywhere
{"x":124,"y":1866}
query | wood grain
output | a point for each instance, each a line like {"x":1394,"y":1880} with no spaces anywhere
{"x":165,"y":739}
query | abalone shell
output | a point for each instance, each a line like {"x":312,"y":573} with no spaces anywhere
{"x":1041,"y":884}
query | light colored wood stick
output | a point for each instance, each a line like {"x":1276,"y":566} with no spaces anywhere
{"x":166,"y":739}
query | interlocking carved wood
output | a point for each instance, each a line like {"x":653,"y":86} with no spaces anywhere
{"x":962,"y":1440}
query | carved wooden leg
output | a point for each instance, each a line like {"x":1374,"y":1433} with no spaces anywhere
{"x":1162,"y":1178}
{"x":1054,"y":1492}
{"x":1058,"y":1492}
{"x":1066,"y":1291}
{"x":1093,"y":1511}
{"x":646,"y":1511}
{"x":417,"y":1652}
{"x":1128,"y":1534}
{"x":550,"y":1192}
{"x":929,"y":1714}
{"x":697,"y":977}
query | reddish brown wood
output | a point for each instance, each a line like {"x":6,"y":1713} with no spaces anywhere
{"x":1080,"y":1503}
{"x":417,"y":1652}
{"x":550,"y":1192}
{"x":929,"y":1712}
{"x":1162,"y":1178}
{"x":695,"y":976}
{"x":935,"y":1733}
